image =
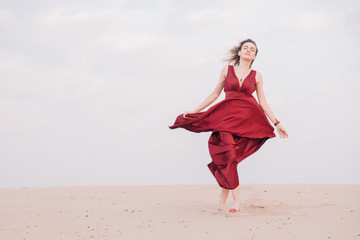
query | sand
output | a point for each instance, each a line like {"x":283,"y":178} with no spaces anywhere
{"x":268,"y":211}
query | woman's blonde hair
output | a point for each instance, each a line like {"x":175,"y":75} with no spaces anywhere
{"x":233,"y":57}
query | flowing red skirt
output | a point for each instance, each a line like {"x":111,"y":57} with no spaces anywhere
{"x":239,"y":128}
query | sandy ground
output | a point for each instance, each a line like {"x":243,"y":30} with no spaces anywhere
{"x":269,"y":211}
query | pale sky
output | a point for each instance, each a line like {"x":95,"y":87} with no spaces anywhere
{"x":88,"y":89}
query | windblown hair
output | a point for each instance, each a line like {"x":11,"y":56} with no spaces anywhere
{"x":233,"y":57}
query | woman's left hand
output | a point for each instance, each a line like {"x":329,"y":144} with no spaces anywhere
{"x":281,"y":130}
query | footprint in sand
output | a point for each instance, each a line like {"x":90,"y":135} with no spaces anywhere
{"x":256,"y":206}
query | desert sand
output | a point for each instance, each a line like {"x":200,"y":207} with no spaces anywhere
{"x":268,"y":211}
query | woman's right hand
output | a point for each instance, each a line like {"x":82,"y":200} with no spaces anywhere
{"x":187,"y":112}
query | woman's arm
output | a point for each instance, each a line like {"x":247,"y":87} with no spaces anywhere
{"x":261,"y":97}
{"x":214,"y":95}
{"x":262,"y":102}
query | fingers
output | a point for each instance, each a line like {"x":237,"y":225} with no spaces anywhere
{"x":283,"y":133}
{"x":186,"y":113}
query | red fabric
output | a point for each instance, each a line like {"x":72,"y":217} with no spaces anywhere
{"x":239,"y":125}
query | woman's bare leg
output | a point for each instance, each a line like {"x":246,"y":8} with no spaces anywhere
{"x":236,"y":196}
{"x":223,"y":197}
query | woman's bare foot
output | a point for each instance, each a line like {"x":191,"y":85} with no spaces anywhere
{"x":235,"y":208}
{"x":222,"y":207}
{"x":222,"y":200}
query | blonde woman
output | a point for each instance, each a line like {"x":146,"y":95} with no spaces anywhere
{"x":238,"y":123}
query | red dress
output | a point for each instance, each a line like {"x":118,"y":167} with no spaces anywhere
{"x":239,"y":127}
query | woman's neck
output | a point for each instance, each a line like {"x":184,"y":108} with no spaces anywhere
{"x":244,"y":64}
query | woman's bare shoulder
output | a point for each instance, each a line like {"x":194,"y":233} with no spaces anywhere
{"x":258,"y":77}
{"x":225,"y":70}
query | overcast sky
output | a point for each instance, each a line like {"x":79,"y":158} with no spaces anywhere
{"x":88,"y":89}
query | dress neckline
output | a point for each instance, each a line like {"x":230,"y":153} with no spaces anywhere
{"x":240,"y":86}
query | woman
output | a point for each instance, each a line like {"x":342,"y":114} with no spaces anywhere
{"x":238,"y":123}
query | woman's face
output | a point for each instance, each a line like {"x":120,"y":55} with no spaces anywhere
{"x":248,"y":51}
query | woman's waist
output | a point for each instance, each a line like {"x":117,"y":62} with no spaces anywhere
{"x":236,"y":94}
